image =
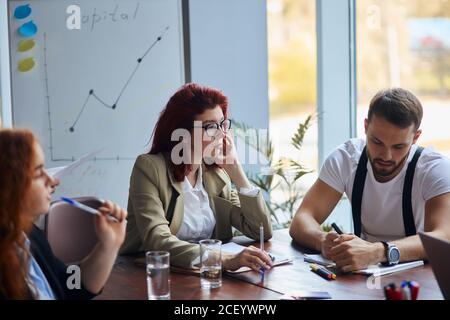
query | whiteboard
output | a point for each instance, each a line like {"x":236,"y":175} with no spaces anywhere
{"x":99,"y":87}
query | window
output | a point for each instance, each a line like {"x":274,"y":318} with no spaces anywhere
{"x":292,"y":83}
{"x":407,"y":44}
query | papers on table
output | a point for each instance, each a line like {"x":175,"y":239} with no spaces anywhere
{"x":375,"y":270}
{"x":306,"y":295}
{"x":58,"y":172}
{"x":380,"y":270}
{"x":234,"y":248}
{"x":319,"y":259}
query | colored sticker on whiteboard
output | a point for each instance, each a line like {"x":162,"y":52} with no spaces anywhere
{"x":28,"y":29}
{"x":25,"y":45}
{"x":21,"y":12}
{"x":26,"y":64}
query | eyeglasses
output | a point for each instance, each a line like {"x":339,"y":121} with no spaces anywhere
{"x":212,"y":129}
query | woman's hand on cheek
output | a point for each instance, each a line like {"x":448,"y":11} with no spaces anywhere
{"x":225,"y":155}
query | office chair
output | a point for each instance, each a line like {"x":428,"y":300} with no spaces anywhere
{"x":70,"y":231}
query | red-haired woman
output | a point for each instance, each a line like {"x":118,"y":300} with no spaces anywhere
{"x":180,"y":192}
{"x":28,"y":268}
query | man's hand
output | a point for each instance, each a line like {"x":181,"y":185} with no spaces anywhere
{"x":327,"y":244}
{"x":351,"y":253}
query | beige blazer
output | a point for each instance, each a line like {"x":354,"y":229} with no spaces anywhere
{"x":154,"y":196}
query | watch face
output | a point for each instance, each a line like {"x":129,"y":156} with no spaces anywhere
{"x":394,"y":255}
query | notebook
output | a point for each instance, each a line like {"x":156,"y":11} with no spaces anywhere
{"x":375,"y":270}
{"x":234,"y":248}
{"x":319,"y":259}
{"x":306,"y":295}
{"x":380,"y":270}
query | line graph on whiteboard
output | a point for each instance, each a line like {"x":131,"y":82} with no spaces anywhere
{"x":93,"y":99}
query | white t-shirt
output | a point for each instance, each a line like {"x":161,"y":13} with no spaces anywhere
{"x":381,"y":209}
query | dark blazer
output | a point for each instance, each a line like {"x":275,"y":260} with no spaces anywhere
{"x":53,"y":269}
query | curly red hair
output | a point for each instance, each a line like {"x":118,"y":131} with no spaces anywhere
{"x":16,"y":168}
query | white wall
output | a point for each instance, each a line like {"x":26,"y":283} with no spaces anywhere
{"x":229,"y":51}
{"x":228,"y":41}
{"x":5,"y":87}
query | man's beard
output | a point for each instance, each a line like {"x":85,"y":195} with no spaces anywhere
{"x":386,"y":168}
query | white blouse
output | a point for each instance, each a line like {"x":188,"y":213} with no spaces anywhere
{"x":199,"y":221}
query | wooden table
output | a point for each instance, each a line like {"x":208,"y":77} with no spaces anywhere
{"x":128,"y":281}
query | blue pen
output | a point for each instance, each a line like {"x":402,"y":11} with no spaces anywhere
{"x":261,"y":247}
{"x":86,"y":208}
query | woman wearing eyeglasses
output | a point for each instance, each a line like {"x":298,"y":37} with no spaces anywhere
{"x":180,"y":192}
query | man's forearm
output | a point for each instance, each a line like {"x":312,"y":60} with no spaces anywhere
{"x":307,"y":232}
{"x":411,"y":248}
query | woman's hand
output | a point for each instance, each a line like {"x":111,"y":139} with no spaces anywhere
{"x":249,"y":257}
{"x":224,"y":153}
{"x":111,"y":234}
{"x":97,"y":266}
{"x":225,"y":156}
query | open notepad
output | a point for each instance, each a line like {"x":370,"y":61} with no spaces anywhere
{"x":234,"y":248}
{"x":380,"y":270}
{"x":375,"y":270}
{"x":319,"y":259}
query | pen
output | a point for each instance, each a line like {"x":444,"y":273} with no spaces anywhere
{"x":261,"y":237}
{"x":323,"y":272}
{"x":261,"y":247}
{"x":86,"y":208}
{"x":336,"y":228}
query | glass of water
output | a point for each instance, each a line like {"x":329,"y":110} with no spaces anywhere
{"x":210,"y":263}
{"x":158,"y":275}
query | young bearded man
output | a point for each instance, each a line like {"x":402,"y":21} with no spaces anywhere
{"x":396,"y":188}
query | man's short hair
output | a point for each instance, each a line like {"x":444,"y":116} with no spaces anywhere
{"x":398,"y":106}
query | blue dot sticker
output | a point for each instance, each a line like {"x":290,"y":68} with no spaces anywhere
{"x":21,"y":12}
{"x":28,"y":29}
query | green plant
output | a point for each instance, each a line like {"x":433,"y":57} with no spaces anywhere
{"x":327,"y":227}
{"x":283,"y":174}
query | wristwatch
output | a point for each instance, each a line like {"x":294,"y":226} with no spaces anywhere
{"x":392,"y":253}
